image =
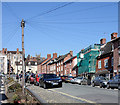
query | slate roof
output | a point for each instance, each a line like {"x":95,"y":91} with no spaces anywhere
{"x":41,"y":61}
{"x":47,"y":61}
{"x":70,"y":59}
{"x":13,"y":52}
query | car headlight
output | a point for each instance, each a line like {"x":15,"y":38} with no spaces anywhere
{"x":105,"y":83}
{"x":49,"y":81}
{"x":60,"y":80}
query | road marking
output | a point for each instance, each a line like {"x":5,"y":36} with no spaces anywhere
{"x":82,"y":99}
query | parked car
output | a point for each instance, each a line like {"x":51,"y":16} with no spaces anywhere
{"x":50,"y":80}
{"x":36,"y":80}
{"x":31,"y":78}
{"x":84,"y":81}
{"x":63,"y":78}
{"x":114,"y":82}
{"x":78,"y":80}
{"x":100,"y":81}
{"x":69,"y":79}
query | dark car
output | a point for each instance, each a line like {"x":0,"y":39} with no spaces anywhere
{"x":100,"y":81}
{"x":50,"y":80}
{"x":114,"y":82}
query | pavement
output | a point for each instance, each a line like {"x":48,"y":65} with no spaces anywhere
{"x":3,"y":98}
{"x":74,"y":93}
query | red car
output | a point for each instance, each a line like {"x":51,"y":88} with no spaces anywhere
{"x":31,"y":78}
{"x":63,"y":78}
{"x":36,"y":80}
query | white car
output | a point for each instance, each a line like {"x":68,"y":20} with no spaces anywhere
{"x":78,"y":80}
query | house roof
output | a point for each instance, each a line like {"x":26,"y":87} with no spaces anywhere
{"x":70,"y":59}
{"x":74,"y":67}
{"x":41,"y":61}
{"x":47,"y":61}
{"x":115,"y":39}
{"x":62,"y":57}
{"x":12,"y":52}
{"x":54,"y":60}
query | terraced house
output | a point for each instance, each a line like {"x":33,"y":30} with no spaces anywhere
{"x":60,"y":66}
{"x":116,"y":55}
{"x":105,"y":60}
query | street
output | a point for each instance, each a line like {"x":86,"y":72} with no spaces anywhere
{"x":74,"y":93}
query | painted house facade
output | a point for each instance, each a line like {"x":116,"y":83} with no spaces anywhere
{"x":86,"y":60}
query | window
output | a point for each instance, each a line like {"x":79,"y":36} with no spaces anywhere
{"x":65,"y":64}
{"x":35,"y":63}
{"x":106,"y":63}
{"x":112,"y":47}
{"x":65,"y":72}
{"x":70,"y":63}
{"x":99,"y":64}
{"x":61,"y":68}
{"x":70,"y":70}
{"x":59,"y":63}
{"x":57,"y":69}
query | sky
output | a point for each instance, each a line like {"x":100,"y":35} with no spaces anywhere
{"x":72,"y":26}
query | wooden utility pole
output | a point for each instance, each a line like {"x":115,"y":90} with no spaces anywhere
{"x":23,"y":56}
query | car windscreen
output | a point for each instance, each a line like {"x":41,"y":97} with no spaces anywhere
{"x":50,"y":76}
{"x":79,"y":77}
{"x":103,"y":78}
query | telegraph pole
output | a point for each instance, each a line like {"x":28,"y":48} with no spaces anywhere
{"x":23,"y":56}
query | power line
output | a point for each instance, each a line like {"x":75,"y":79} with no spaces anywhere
{"x":78,"y":11}
{"x":11,"y":11}
{"x":49,"y":11}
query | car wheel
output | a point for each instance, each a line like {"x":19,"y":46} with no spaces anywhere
{"x":101,"y":85}
{"x":79,"y":83}
{"x":108,"y":86}
{"x":118,"y":87}
{"x":39,"y":85}
{"x":44,"y":86}
{"x":93,"y":85}
{"x":60,"y":85}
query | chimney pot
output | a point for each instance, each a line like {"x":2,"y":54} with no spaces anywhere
{"x":3,"y":50}
{"x":103,"y":41}
{"x":48,"y":56}
{"x":17,"y":50}
{"x":71,"y":52}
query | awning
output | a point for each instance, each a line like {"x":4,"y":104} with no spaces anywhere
{"x":102,"y":72}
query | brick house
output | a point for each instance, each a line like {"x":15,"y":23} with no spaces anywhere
{"x":68,"y":65}
{"x":53,"y":66}
{"x":40,"y":68}
{"x":104,"y":64}
{"x":60,"y":61}
{"x":116,"y":55}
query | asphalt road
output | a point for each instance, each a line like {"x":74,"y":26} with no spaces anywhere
{"x":74,"y":93}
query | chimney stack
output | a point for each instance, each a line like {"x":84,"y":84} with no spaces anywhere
{"x":54,"y":55}
{"x":43,"y":58}
{"x":17,"y":50}
{"x":71,"y":52}
{"x":48,"y":56}
{"x":3,"y":50}
{"x":114,"y":35}
{"x":103,"y":41}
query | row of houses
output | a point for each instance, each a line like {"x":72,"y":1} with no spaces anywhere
{"x":97,"y":59}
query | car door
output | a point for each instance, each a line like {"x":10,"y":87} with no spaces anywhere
{"x":112,"y":82}
{"x":96,"y":81}
{"x":116,"y":82}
